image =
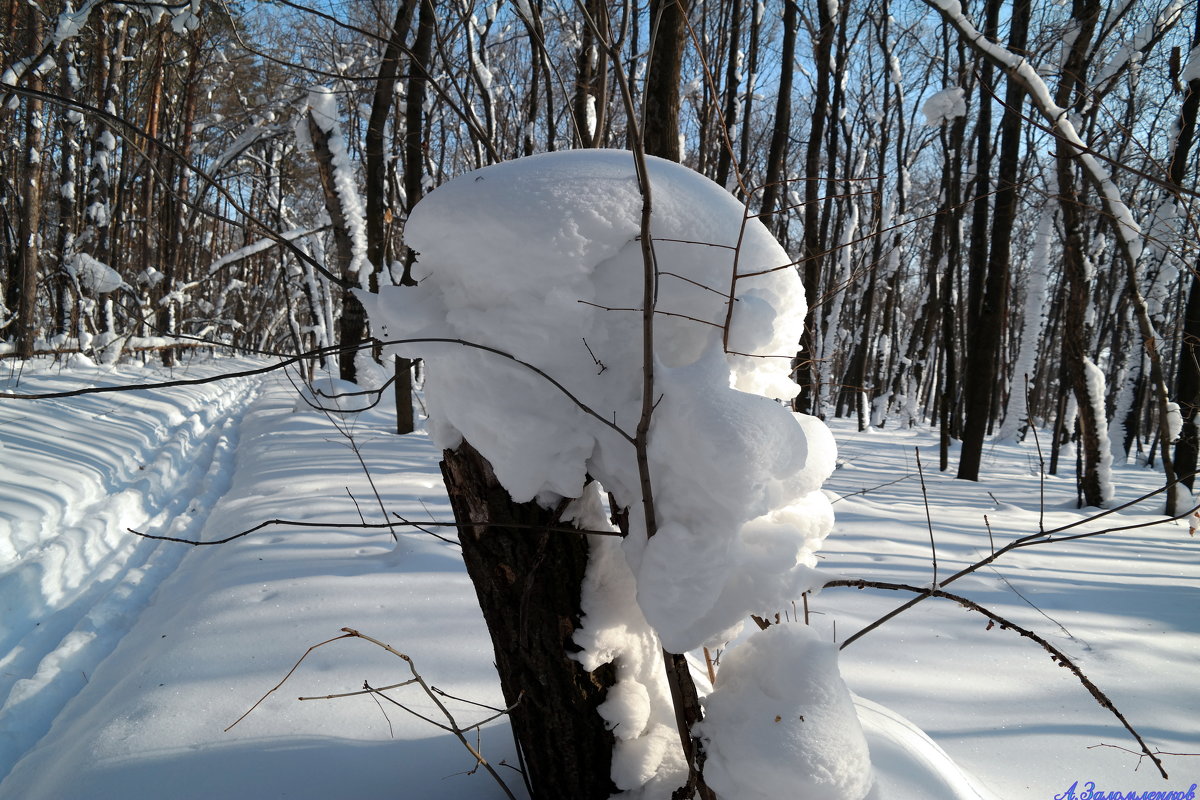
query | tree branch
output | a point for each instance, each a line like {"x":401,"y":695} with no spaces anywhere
{"x":1056,"y":655}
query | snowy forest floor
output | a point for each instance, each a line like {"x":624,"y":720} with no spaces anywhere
{"x":122,"y":660}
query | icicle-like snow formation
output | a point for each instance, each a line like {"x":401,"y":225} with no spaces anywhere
{"x":540,"y":258}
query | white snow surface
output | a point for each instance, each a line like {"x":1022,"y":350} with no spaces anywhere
{"x":781,"y":723}
{"x":134,"y":656}
{"x":540,"y":258}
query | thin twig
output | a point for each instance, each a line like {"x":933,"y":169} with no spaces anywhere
{"x":1141,"y":756}
{"x":377,"y":694}
{"x":359,"y":692}
{"x":871,"y":488}
{"x":354,"y":500}
{"x":344,"y":430}
{"x":458,"y":732}
{"x":285,"y":678}
{"x":358,"y":525}
{"x":419,"y":526}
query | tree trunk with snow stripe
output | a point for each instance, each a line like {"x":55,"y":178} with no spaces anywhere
{"x":528,"y":580}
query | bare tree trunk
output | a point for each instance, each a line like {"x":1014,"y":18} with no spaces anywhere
{"x":591,"y":66}
{"x":786,"y":65}
{"x":777,"y":155}
{"x":1075,"y":334}
{"x":980,"y":379}
{"x":729,"y":113}
{"x":811,"y":253}
{"x":661,"y":127}
{"x":66,"y":318}
{"x":414,"y":111}
{"x":29,"y":224}
{"x":1187,"y":383}
{"x":378,"y":215}
{"x":977,"y":248}
{"x":947,"y":243}
{"x":151,"y":239}
{"x":378,"y":221}
{"x":528,"y":581}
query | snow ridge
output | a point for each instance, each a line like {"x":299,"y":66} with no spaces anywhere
{"x":66,"y":548}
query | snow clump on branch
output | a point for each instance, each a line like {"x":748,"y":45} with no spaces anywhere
{"x":944,"y":106}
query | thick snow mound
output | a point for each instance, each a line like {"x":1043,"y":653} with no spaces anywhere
{"x":540,"y":260}
{"x":781,"y":722}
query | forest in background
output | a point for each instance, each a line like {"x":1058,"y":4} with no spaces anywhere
{"x":993,"y":211}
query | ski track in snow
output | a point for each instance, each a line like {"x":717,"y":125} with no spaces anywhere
{"x":65,"y":505}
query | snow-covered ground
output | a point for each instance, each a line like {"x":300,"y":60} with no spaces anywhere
{"x":122,"y":660}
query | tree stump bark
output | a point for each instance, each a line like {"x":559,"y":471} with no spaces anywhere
{"x":528,"y":580}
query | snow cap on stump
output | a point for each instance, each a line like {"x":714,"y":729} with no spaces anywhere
{"x":541,"y":260}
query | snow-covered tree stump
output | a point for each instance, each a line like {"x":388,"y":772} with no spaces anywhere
{"x":528,"y":580}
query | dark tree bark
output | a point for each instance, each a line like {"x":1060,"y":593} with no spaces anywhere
{"x":777,"y":155}
{"x":1076,"y":336}
{"x":66,"y":319}
{"x":379,"y":216}
{"x":29,"y":224}
{"x":589,"y":102}
{"x":977,"y":248}
{"x":660,"y":132}
{"x":756,"y":14}
{"x":949,"y":239}
{"x":1187,"y":383}
{"x":528,"y":583}
{"x":729,"y":113}
{"x":991,"y":317}
{"x":414,"y":110}
{"x":811,"y":253}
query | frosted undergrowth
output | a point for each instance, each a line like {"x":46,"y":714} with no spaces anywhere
{"x":540,"y":258}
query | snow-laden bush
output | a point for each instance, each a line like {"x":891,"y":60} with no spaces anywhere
{"x":540,"y":259}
